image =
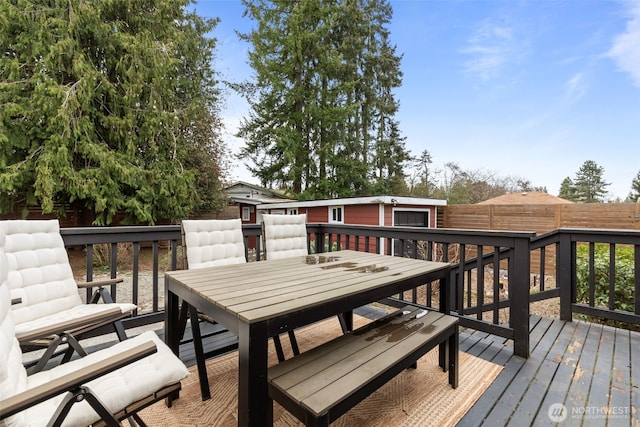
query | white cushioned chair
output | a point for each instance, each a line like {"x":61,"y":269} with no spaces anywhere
{"x":210,"y":243}
{"x":284,"y":235}
{"x":41,"y":279}
{"x":101,"y":388}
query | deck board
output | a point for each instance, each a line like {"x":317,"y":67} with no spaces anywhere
{"x":581,"y":365}
{"x":634,"y":346}
{"x":578,"y":364}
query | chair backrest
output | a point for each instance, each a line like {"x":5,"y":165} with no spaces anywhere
{"x":208,"y":243}
{"x":39,"y":272}
{"x":284,"y":235}
{"x":13,"y":375}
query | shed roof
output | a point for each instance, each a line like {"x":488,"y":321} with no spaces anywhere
{"x":393,"y":200}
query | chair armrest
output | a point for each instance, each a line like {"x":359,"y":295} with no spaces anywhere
{"x":113,"y":313}
{"x":28,"y":398}
{"x":100,"y":282}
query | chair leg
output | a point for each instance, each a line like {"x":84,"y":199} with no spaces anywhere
{"x":64,"y":338}
{"x":73,"y":345}
{"x":200,"y":361}
{"x":106,"y":297}
{"x":119,"y":327}
{"x":183,"y":317}
{"x":78,"y":395}
{"x":135,"y":420}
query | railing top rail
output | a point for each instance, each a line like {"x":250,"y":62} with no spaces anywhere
{"x":453,"y":231}
{"x":78,"y":235}
{"x":600,"y":231}
{"x":440,"y":235}
{"x":602,"y":235}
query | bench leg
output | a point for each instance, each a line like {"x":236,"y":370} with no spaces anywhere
{"x":311,"y":421}
{"x":444,"y":355}
{"x":453,"y":359}
{"x":294,"y":342}
{"x":279,"y":351}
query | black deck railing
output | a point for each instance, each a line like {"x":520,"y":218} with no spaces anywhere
{"x":495,"y":274}
{"x":563,"y":245}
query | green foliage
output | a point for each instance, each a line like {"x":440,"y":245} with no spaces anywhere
{"x":567,"y":190}
{"x":103,"y":108}
{"x":322,"y":107}
{"x":588,"y":185}
{"x":624,"y":276}
{"x":634,"y":195}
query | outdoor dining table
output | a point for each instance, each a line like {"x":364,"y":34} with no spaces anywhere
{"x":258,"y":300}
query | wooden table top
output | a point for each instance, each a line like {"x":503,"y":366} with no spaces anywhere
{"x":257,"y":291}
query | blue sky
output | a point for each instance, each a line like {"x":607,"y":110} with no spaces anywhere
{"x":529,"y":88}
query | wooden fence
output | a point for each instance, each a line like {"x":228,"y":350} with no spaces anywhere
{"x":543,"y":218}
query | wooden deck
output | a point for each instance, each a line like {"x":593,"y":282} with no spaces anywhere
{"x":588,"y":368}
{"x":592,"y":370}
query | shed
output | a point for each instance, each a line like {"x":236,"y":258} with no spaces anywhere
{"x":391,"y":211}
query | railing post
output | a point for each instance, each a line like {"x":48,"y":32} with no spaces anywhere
{"x":519,"y":272}
{"x":320,"y":242}
{"x":564,"y":272}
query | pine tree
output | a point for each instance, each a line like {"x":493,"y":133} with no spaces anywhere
{"x":322,"y":111}
{"x":104,"y":106}
{"x":634,"y":195}
{"x":567,"y":190}
{"x":590,"y":186}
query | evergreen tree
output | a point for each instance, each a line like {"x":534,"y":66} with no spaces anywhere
{"x":589,"y":184}
{"x":426,"y":184}
{"x":634,"y":195}
{"x":567,"y":190}
{"x":106,"y":106}
{"x":322,"y":109}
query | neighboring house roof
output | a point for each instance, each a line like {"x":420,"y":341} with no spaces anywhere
{"x":251,"y":194}
{"x":526,"y":198}
{"x":388,"y":200}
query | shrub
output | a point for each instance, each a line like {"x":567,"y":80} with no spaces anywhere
{"x":624,"y":276}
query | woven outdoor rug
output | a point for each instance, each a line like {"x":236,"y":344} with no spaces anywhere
{"x":420,"y":397}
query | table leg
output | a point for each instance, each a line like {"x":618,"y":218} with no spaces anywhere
{"x":205,"y":392}
{"x":171,"y":323}
{"x":172,"y":330}
{"x":254,"y":406}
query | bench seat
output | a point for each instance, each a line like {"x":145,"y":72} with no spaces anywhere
{"x":322,"y":384}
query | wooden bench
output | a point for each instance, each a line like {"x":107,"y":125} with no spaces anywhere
{"x":322,"y":384}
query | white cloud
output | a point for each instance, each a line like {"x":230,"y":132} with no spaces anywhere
{"x":492,"y":47}
{"x":575,"y":88}
{"x":626,"y":46}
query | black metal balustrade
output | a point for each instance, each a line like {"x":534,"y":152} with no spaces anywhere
{"x":492,"y":276}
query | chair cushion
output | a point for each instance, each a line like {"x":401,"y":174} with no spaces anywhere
{"x":117,"y":389}
{"x":213,"y":242}
{"x":39,"y":269}
{"x":13,"y":375}
{"x":40,"y":275}
{"x":285,"y":235}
